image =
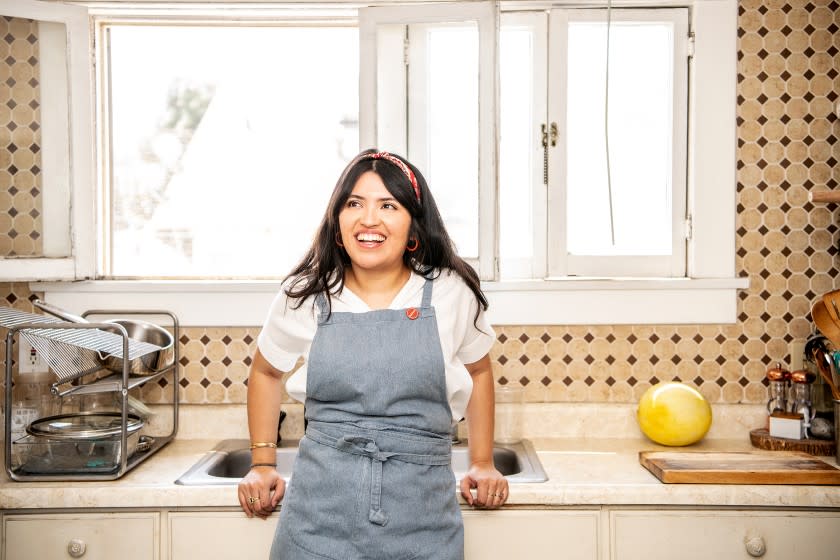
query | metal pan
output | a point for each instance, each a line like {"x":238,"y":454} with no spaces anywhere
{"x":141,"y":331}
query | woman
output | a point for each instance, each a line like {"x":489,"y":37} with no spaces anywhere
{"x":392,"y":327}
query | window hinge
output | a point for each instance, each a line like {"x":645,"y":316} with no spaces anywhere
{"x":689,"y":228}
{"x":690,"y":45}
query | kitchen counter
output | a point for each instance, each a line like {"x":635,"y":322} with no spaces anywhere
{"x":582,"y":472}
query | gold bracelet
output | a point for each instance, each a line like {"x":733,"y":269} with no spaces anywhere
{"x":263,"y":465}
{"x":260,"y":444}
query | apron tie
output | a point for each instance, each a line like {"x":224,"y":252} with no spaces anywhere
{"x":366,"y":447}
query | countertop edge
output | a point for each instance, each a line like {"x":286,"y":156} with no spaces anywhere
{"x":582,"y":473}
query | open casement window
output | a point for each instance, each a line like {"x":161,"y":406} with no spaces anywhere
{"x":427,"y":91}
{"x":566,"y":210}
{"x":46,"y":185}
{"x":620,"y":204}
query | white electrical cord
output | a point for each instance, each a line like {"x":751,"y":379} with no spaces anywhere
{"x":607,"y":123}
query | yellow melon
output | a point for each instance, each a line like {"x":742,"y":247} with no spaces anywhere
{"x":674,"y":414}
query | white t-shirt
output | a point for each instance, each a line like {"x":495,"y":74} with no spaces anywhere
{"x":287,"y":333}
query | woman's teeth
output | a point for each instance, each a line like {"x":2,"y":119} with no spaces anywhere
{"x":371,"y":237}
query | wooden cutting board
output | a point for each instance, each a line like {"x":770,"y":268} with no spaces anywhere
{"x":749,"y":467}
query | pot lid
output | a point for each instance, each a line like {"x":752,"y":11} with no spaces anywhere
{"x":83,"y":425}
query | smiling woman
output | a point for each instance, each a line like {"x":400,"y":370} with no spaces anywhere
{"x":390,"y":323}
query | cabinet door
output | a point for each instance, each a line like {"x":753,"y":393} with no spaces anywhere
{"x":700,"y":535}
{"x":127,"y":536}
{"x":222,"y":535}
{"x":47,"y":124}
{"x":531,"y":534}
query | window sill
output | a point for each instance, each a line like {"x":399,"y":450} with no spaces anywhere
{"x":553,"y":302}
{"x":615,"y":301}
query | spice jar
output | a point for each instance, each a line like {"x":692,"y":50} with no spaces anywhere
{"x":779,"y":379}
{"x":800,"y":395}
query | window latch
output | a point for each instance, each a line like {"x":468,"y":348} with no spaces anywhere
{"x":549,"y":134}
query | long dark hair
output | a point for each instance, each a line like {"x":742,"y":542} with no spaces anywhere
{"x":322,"y":268}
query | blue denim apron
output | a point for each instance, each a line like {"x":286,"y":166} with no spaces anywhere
{"x":373,"y":477}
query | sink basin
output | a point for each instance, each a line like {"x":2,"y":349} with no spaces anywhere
{"x":229,"y":461}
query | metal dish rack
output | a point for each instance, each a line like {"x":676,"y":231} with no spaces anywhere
{"x":72,"y":352}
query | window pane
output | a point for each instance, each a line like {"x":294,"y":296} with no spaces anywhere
{"x":453,"y":131}
{"x":227,"y":142}
{"x":516,"y":146}
{"x":640,"y":138}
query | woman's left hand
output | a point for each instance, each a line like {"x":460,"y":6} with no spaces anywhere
{"x":491,"y":487}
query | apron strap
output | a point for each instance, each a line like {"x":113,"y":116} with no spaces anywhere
{"x":368,"y":448}
{"x":427,"y":294}
{"x":321,"y":302}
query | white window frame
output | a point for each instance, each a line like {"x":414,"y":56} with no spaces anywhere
{"x":707,"y":295}
{"x":66,"y":144}
{"x":536,"y":23}
{"x":560,"y":262}
{"x":394,"y":133}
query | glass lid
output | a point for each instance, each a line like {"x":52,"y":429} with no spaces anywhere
{"x":83,"y":425}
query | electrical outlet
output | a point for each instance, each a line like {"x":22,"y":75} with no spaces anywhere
{"x":29,"y":359}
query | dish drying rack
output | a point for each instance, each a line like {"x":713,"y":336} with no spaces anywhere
{"x":74,"y":352}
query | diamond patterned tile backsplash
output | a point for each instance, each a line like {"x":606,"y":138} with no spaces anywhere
{"x":20,"y":152}
{"x":787,"y":130}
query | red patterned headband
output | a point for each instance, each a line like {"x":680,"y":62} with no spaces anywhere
{"x":399,"y":163}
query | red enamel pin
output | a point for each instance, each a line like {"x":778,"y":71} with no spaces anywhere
{"x":412,"y":313}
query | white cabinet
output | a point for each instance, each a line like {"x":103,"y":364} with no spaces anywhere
{"x":585,"y":533}
{"x":219,"y":535}
{"x":89,"y":536}
{"x":724,"y":534}
{"x":531,"y":534}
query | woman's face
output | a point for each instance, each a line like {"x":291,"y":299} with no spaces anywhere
{"x":374,"y":225}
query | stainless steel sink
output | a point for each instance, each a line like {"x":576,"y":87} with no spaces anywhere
{"x":229,"y":461}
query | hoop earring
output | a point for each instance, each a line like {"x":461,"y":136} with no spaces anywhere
{"x":412,"y":248}
{"x":338,"y":239}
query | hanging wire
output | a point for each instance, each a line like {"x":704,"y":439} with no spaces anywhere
{"x":607,"y":124}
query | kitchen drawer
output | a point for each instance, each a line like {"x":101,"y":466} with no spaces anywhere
{"x":89,"y":536}
{"x":727,"y":534}
{"x":531,"y":534}
{"x":219,"y":535}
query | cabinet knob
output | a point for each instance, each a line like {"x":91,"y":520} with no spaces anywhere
{"x":76,"y":548}
{"x":755,"y":546}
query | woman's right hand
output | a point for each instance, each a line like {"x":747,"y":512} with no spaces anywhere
{"x":259,"y":483}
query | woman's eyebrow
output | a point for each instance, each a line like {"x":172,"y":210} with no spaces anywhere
{"x":383,"y":199}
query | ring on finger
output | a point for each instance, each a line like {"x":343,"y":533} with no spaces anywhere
{"x":253,"y":499}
